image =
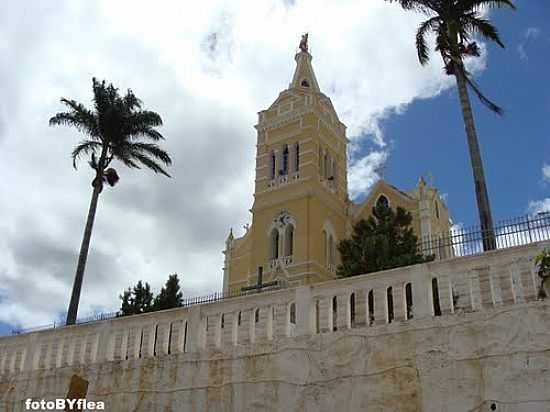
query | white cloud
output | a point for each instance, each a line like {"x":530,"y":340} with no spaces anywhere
{"x":539,"y":206}
{"x":365,"y":172}
{"x":207,"y":71}
{"x":546,"y":172}
{"x":531,"y":33}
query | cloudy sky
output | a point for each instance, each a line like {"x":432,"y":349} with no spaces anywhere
{"x":208,"y":71}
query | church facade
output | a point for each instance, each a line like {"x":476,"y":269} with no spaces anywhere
{"x":301,"y":204}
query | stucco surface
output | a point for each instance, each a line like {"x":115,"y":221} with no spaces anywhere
{"x":460,"y":362}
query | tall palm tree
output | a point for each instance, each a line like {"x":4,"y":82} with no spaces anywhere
{"x":455,"y":23}
{"x":114,"y":129}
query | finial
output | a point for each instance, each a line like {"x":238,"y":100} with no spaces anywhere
{"x":421,"y":181}
{"x":230,"y":236}
{"x":303,"y":43}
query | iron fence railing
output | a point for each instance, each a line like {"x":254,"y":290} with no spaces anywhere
{"x":461,"y":241}
{"x":190,"y":301}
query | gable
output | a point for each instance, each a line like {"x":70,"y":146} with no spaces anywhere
{"x":396,"y":198}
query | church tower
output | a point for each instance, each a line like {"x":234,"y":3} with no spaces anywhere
{"x":300,"y":197}
{"x":301,"y":206}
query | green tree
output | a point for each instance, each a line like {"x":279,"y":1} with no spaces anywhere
{"x":136,"y":300}
{"x":115,"y":129}
{"x":170,"y":295}
{"x":383,"y":241}
{"x":455,"y":23}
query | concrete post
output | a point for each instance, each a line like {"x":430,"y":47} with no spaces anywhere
{"x":303,"y":311}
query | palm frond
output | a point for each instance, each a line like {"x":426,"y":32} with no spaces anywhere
{"x":151,"y":149}
{"x":483,"y":27}
{"x":84,"y":148}
{"x":422,"y":6}
{"x":78,"y":117}
{"x":421,"y":45}
{"x":476,"y":5}
{"x":484,"y":100}
{"x":150,"y":163}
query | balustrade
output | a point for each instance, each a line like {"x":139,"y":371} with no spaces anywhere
{"x":467,"y":284}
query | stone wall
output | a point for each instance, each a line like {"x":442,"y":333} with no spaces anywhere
{"x":481,"y":340}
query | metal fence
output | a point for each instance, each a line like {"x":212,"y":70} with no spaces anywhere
{"x":461,"y":241}
{"x":195,"y":300}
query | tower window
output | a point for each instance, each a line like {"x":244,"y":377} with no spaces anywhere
{"x":382,"y":202}
{"x":436,"y":209}
{"x":304,"y":83}
{"x":289,"y":240}
{"x":285,"y":161}
{"x":272,"y":165}
{"x":274,"y":247}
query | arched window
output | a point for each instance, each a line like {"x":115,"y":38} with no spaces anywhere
{"x":382,"y":202}
{"x":436,"y":204}
{"x":297,"y":157}
{"x":272,"y":165}
{"x":289,"y":240}
{"x":239,"y":319}
{"x":274,"y":244}
{"x":435,"y":296}
{"x":352,"y":309}
{"x":390,"y":304}
{"x":409,"y":301}
{"x":304,"y":83}
{"x":256,"y":315}
{"x":334,"y":313}
{"x":331,"y":251}
{"x":371,"y":307}
{"x":285,"y":161}
{"x":292,"y":313}
{"x":222,"y":322}
{"x":325,"y":246}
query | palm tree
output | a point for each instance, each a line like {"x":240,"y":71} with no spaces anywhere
{"x":115,"y":129}
{"x":455,"y":24}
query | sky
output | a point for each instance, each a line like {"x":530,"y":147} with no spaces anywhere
{"x":208,"y":71}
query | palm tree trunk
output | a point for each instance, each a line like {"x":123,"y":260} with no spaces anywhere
{"x":83,"y":256}
{"x":482,"y":197}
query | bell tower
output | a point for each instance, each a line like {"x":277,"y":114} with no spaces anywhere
{"x":300,"y":196}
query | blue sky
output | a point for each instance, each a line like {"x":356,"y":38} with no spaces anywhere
{"x":208,"y":72}
{"x":429,"y":136}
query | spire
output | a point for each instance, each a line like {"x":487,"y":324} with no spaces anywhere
{"x":229,"y":239}
{"x":304,"y":76}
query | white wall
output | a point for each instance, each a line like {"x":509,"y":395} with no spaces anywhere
{"x":493,"y":346}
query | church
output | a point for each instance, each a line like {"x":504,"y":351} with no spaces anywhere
{"x":302,"y":208}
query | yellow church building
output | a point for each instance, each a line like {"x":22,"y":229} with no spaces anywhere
{"x":301,"y":204}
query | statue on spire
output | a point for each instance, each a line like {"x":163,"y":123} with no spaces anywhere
{"x":303,"y":43}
